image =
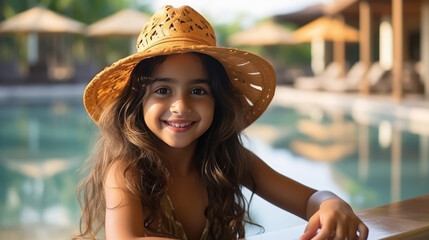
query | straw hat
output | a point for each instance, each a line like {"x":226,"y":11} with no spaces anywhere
{"x":180,"y":30}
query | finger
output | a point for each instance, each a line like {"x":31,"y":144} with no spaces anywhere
{"x":311,"y":229}
{"x":363,"y":231}
{"x":352,"y":233}
{"x":340,"y":232}
{"x":326,"y":232}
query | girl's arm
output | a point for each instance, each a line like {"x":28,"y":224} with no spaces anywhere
{"x":278,"y":189}
{"x":124,"y":214}
{"x":323,"y":209}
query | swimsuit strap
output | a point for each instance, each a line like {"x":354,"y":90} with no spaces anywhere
{"x":172,"y":224}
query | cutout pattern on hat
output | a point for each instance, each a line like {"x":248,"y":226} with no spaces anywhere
{"x":182,"y":30}
{"x":173,"y":25}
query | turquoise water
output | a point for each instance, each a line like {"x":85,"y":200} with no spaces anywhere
{"x":367,"y":163}
{"x":42,"y":145}
{"x":44,"y":142}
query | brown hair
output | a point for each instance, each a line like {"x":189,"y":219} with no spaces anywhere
{"x":223,"y":161}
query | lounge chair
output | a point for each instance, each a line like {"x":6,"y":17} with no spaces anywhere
{"x":412,"y":82}
{"x":333,"y":70}
{"x":350,"y":82}
{"x":379,"y":78}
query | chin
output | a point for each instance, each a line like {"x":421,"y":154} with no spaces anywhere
{"x":180,"y":144}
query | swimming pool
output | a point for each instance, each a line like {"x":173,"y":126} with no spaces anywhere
{"x":43,"y":142}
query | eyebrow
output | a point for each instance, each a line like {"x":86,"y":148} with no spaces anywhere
{"x":172,"y":80}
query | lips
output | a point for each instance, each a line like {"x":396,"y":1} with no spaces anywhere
{"x":179,"y":126}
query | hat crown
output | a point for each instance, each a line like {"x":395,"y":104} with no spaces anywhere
{"x":180,"y":26}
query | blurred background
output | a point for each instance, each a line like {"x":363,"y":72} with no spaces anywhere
{"x":350,"y":114}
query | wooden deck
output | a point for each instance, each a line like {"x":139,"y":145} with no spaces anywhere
{"x":408,"y":219}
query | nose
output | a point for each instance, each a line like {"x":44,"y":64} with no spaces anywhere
{"x":180,"y":106}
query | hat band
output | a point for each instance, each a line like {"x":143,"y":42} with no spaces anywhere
{"x":181,"y":42}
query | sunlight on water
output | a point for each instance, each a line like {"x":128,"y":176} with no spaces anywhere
{"x":43,"y":144}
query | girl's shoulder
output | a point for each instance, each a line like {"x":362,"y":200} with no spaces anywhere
{"x":250,"y":156}
{"x":114,"y":175}
{"x":124,"y":215}
{"x":116,"y":188}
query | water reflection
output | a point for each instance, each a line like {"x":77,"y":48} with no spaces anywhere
{"x":424,"y":155}
{"x":363,"y":149}
{"x":371,"y":162}
{"x":42,"y":144}
{"x":367,"y":162}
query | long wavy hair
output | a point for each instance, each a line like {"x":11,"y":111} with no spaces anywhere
{"x":222,"y":160}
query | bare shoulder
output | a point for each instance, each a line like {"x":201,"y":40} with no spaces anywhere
{"x":115,"y":186}
{"x":115,"y":176}
{"x":124,"y":215}
{"x":251,"y":156}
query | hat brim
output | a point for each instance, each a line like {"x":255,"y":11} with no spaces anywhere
{"x":252,"y":75}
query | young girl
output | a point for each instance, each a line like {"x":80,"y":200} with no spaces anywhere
{"x":170,"y":162}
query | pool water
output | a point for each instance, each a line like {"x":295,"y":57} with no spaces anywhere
{"x":44,"y":142}
{"x":367,"y":164}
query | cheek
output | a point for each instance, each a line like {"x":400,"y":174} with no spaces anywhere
{"x":147,"y":102}
{"x":209,"y":112}
{"x":150,"y":113}
{"x":145,"y":111}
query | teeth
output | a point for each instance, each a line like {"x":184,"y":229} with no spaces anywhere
{"x":181,"y":125}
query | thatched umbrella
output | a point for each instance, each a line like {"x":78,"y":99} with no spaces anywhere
{"x":326,"y":29}
{"x":40,"y":20}
{"x":266,"y":33}
{"x":269,"y":36}
{"x":127,"y":22}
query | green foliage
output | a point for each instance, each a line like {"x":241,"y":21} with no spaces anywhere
{"x":223,"y":31}
{"x":106,"y":50}
{"x":86,"y":11}
{"x":290,"y":54}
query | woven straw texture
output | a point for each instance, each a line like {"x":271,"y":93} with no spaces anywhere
{"x":180,"y":30}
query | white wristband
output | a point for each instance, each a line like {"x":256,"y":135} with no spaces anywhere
{"x":316,"y":199}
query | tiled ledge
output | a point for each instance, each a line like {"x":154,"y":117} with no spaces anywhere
{"x":31,"y":92}
{"x":408,"y":219}
{"x":411,"y":113}
{"x":412,"y":107}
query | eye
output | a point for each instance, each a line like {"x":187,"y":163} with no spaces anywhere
{"x":162,"y":91}
{"x":198,"y":91}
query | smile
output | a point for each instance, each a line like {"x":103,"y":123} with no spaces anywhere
{"x":179,"y":124}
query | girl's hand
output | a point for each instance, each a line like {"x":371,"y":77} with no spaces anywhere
{"x":335,"y":219}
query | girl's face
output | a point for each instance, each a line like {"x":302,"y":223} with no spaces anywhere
{"x":178,"y":106}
